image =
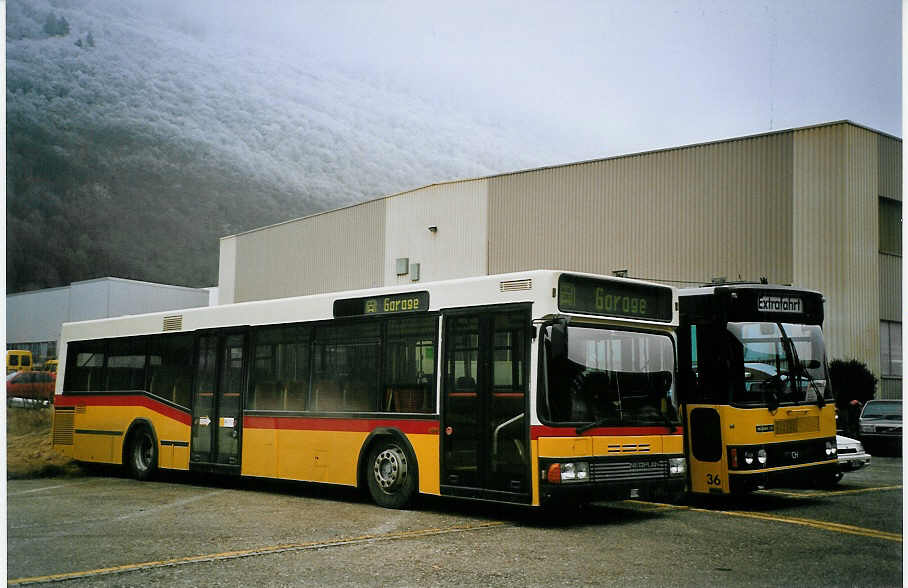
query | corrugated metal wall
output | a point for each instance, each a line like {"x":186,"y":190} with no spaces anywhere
{"x":837,"y":235}
{"x":682,"y":215}
{"x":797,"y":207}
{"x":890,"y":167}
{"x":457,"y":249}
{"x":339,"y":250}
{"x":890,"y":287}
{"x":890,"y":173}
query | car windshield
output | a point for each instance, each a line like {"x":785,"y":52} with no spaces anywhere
{"x":609,"y":377}
{"x":883,"y":410}
{"x":783,"y":363}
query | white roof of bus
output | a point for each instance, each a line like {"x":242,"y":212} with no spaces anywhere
{"x":463,"y":292}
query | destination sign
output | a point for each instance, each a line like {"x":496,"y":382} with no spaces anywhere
{"x":389,"y":304}
{"x":771,"y":303}
{"x":613,"y":298}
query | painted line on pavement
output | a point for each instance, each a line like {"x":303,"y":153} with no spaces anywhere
{"x":824,"y":525}
{"x":829,"y":492}
{"x":43,"y":488}
{"x":309,"y":545}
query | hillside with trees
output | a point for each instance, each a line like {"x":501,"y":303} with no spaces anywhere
{"x":136,"y":138}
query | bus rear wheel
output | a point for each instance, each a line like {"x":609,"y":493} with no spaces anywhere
{"x":141,"y":454}
{"x":391,"y":475}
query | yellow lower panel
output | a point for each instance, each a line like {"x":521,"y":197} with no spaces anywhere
{"x":326,"y":456}
{"x":103,"y":431}
{"x":426,"y":448}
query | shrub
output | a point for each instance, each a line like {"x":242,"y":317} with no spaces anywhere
{"x":851,"y":380}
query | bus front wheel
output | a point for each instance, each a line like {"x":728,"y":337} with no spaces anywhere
{"x":391,"y":475}
{"x":141,"y":454}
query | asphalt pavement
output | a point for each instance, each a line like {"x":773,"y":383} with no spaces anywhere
{"x":185,"y":530}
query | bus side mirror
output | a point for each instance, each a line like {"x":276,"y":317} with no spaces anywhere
{"x":558,"y":340}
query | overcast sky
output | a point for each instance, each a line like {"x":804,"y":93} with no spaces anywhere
{"x":618,"y":76}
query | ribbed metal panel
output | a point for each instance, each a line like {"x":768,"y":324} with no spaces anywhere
{"x":836,"y":233}
{"x":890,"y":389}
{"x":625,"y":471}
{"x":722,"y":209}
{"x":890,"y":287}
{"x":340,"y":250}
{"x":890,"y":167}
{"x":515,"y":285}
{"x":173,"y":323}
{"x":63,"y":427}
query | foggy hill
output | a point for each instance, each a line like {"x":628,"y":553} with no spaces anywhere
{"x":137,"y":137}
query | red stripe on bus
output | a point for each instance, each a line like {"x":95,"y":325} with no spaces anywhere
{"x":124,"y":400}
{"x":537,"y":431}
{"x":364,"y":425}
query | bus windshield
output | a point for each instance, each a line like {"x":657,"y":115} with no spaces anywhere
{"x":609,"y":377}
{"x":783,"y":363}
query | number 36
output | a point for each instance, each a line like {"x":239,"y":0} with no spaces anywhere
{"x":713,"y":480}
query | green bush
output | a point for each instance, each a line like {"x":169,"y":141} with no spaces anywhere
{"x":851,"y":380}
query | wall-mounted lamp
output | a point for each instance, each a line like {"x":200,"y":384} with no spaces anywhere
{"x":433,"y":229}
{"x":620,"y":273}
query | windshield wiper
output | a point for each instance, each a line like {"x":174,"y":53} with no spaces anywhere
{"x":800,"y":369}
{"x":594,"y":424}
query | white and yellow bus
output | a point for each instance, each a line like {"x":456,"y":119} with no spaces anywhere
{"x":758,"y":406}
{"x":527,"y":388}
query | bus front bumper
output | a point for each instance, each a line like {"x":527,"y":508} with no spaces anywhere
{"x":804,"y":476}
{"x":614,"y":479}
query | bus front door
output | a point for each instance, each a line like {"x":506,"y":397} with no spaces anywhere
{"x":485,"y":443}
{"x":216,"y":403}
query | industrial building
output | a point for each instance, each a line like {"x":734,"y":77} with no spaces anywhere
{"x":818,"y":207}
{"x":33,"y":319}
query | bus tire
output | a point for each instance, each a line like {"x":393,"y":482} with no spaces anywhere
{"x":141,"y":453}
{"x":391,"y":474}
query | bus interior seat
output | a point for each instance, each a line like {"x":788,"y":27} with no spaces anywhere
{"x":327,"y":395}
{"x":407,"y":399}
{"x":296,"y":394}
{"x":267,"y":395}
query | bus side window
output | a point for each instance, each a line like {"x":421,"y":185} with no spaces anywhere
{"x":410,"y":365}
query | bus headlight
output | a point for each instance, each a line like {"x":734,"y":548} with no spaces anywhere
{"x":830,"y":448}
{"x":575,"y":471}
{"x":761,"y":456}
{"x":676,"y":466}
{"x":572,"y":471}
{"x":749,"y":457}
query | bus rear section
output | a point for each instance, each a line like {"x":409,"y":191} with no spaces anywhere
{"x":757,"y":402}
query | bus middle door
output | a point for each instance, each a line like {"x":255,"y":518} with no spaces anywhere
{"x":485,"y":445}
{"x":217,"y":401}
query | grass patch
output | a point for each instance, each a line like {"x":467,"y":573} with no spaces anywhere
{"x":29,"y":450}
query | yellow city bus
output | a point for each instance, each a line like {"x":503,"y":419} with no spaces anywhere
{"x":758,"y":407}
{"x":529,"y":388}
{"x":18,"y":360}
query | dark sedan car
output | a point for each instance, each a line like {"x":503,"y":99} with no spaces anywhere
{"x":881,"y":424}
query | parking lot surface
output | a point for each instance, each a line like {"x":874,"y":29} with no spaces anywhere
{"x":108,"y":530}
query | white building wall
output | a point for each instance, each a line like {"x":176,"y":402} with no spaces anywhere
{"x":456,"y":249}
{"x":129,"y":297}
{"x":36,"y":317}
{"x":32,"y":317}
{"x":227,"y":271}
{"x":88,"y":300}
